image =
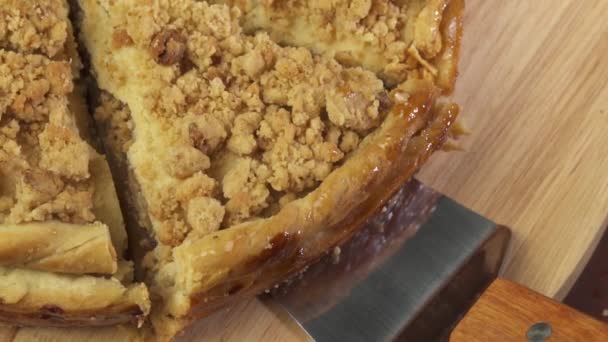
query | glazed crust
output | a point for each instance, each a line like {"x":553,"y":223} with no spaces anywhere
{"x":328,"y":281}
{"x":58,"y":247}
{"x":451,"y":32}
{"x":118,"y":314}
{"x":47,"y":299}
{"x":246,"y":259}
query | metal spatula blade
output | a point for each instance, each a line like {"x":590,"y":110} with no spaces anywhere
{"x":407,"y":275}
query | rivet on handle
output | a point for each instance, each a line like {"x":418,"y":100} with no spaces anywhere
{"x":539,"y":332}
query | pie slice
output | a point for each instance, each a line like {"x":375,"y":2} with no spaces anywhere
{"x":243,"y":160}
{"x":62,"y":237}
{"x":396,"y":39}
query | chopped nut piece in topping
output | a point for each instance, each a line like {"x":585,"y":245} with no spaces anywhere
{"x":121,"y":38}
{"x":206,"y":133}
{"x":168,"y":47}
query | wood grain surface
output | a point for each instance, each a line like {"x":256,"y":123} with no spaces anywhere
{"x":506,"y":311}
{"x":534,"y":89}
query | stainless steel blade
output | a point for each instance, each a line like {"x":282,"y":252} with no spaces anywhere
{"x":388,"y":283}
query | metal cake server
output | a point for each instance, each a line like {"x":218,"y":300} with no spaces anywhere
{"x":409,"y":274}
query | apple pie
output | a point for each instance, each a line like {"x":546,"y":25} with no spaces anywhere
{"x":245,"y":138}
{"x":62,"y":238}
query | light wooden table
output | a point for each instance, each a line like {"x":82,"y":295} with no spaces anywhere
{"x":534,"y":88}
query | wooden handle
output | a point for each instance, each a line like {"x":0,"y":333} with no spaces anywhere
{"x":510,"y":312}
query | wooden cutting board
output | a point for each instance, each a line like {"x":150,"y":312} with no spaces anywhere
{"x":534,"y":89}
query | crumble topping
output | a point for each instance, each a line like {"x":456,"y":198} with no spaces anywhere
{"x":34,"y":26}
{"x":114,"y":119}
{"x":42,"y":156}
{"x":32,"y":86}
{"x":396,"y":39}
{"x":233,"y":126}
{"x":41,"y":195}
{"x":64,"y":152}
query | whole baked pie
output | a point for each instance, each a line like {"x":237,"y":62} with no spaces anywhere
{"x":245,"y":138}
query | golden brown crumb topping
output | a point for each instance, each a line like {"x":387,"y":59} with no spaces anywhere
{"x":114,"y":119}
{"x":246,"y":125}
{"x":41,"y":196}
{"x":396,"y":39}
{"x":34,"y":26}
{"x":43,"y":160}
{"x":33,"y":86}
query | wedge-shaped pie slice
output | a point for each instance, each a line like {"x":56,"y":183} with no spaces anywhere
{"x":62,"y":237}
{"x":245,"y":161}
{"x":396,"y":39}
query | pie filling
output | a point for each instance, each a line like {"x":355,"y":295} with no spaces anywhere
{"x":209,"y":124}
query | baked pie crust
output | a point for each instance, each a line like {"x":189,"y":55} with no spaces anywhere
{"x":62,"y":237}
{"x":238,"y":161}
